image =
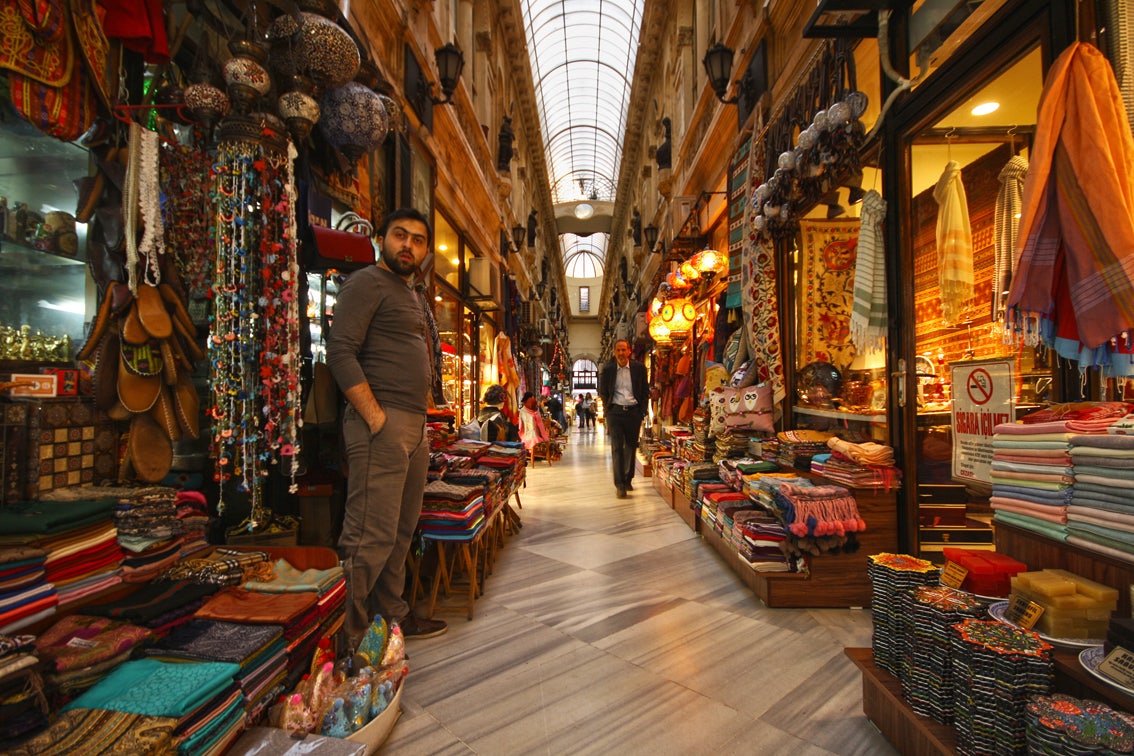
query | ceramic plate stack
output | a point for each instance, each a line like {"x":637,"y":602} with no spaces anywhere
{"x":928,"y":683}
{"x":892,"y":576}
{"x":997,"y":668}
{"x":1063,"y":725}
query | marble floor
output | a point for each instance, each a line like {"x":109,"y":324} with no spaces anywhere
{"x":609,"y":627}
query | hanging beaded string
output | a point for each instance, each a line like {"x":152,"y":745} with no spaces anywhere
{"x":130,"y":204}
{"x":254,"y":328}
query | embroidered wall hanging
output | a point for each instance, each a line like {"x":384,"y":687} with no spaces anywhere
{"x":827,"y":262}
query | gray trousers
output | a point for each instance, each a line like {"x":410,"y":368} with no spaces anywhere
{"x":384,"y":489}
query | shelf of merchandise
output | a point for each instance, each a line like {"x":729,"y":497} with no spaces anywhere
{"x":683,"y":505}
{"x":838,"y":415}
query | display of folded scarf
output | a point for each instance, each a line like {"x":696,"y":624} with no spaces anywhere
{"x":841,"y":469}
{"x":221,"y":567}
{"x":287,"y":579}
{"x":1063,"y":724}
{"x":30,"y":521}
{"x":78,"y":730}
{"x":26,"y":606}
{"x":201,"y":696}
{"x":24,"y":708}
{"x":79,"y":650}
{"x":730,"y":444}
{"x":156,"y":604}
{"x":927,"y":682}
{"x":797,"y":447}
{"x":1081,"y":417}
{"x":711,"y":505}
{"x":762,"y":541}
{"x":997,"y":668}
{"x":891,"y":577}
{"x":140,"y":566}
{"x":818,"y":511}
{"x":24,"y":590}
{"x":761,"y":487}
{"x":452,"y":520}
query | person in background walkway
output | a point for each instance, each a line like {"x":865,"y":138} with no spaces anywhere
{"x":532,"y":429}
{"x":581,"y":411}
{"x":555,"y":410}
{"x":379,"y":353}
{"x":624,"y":393}
{"x":494,"y":424}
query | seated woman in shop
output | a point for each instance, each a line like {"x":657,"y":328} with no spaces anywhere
{"x":494,"y":424}
{"x":532,"y":429}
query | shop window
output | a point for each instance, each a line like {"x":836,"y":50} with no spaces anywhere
{"x":45,"y":298}
{"x":584,"y":375}
{"x":967,"y":377}
{"x":446,"y":253}
{"x":936,"y":29}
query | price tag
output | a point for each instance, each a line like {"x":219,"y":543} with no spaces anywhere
{"x":1119,"y":666}
{"x":953,"y":575}
{"x":1023,"y":612}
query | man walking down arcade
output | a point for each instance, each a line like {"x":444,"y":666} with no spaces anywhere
{"x":624,"y":392}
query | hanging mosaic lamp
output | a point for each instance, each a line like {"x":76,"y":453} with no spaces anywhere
{"x":655,"y":307}
{"x":325,"y":53}
{"x":679,"y":315}
{"x":245,"y":74}
{"x":206,"y":104}
{"x":299,"y":109}
{"x":659,"y":331}
{"x":689,"y":271}
{"x":354,"y":119}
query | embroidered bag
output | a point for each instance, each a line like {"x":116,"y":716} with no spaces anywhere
{"x":342,"y":248}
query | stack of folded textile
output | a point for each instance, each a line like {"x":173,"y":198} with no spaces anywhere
{"x":1032,"y":477}
{"x":199,"y":703}
{"x":865,"y":465}
{"x":259,"y":650}
{"x":160,"y":605}
{"x":149,"y":530}
{"x":297,"y":613}
{"x":79,"y":650}
{"x":1101,"y":513}
{"x":25,"y":595}
{"x":22,"y":702}
{"x":80,"y":541}
{"x":711,"y":504}
{"x":761,"y":540}
{"x":451,"y":512}
{"x":797,"y":447}
{"x":193,"y":514}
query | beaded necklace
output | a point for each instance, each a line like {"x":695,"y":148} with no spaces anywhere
{"x":254,"y":326}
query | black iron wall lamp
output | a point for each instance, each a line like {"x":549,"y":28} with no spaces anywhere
{"x":749,"y":87}
{"x":650,"y":233}
{"x":450,"y":63}
{"x":518,"y":234}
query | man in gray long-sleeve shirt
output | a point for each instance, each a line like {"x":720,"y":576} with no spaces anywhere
{"x":380,"y":354}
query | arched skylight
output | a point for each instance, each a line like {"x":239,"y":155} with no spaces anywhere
{"x":583,"y":256}
{"x":582,"y":56}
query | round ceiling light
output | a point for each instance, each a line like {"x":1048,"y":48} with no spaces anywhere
{"x":584,"y":211}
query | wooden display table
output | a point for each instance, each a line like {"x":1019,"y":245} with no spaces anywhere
{"x":664,"y":490}
{"x":684,"y":507}
{"x":882,"y":703}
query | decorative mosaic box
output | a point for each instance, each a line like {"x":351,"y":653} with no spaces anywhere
{"x":70,"y":443}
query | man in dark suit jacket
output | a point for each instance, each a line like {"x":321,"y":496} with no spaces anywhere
{"x":625,"y":400}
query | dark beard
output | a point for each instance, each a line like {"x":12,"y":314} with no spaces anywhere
{"x":394,"y":263}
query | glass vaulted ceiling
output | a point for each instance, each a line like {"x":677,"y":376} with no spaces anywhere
{"x":582,"y":55}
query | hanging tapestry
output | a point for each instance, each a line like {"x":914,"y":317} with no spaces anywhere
{"x":827,"y":264}
{"x":739,"y":190}
{"x":759,"y":302}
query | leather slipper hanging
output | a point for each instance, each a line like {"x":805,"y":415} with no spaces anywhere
{"x":165,"y":415}
{"x":188,"y":405}
{"x":105,"y":376}
{"x":152,"y":312}
{"x":137,"y":390}
{"x":150,"y":450}
{"x":101,"y":324}
{"x":132,"y":330}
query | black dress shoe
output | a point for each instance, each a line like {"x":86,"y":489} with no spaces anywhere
{"x":620,"y":494}
{"x":629,"y":486}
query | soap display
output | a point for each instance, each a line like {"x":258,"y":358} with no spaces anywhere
{"x":989,"y":572}
{"x":1073,"y":606}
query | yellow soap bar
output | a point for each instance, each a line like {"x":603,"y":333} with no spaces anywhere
{"x":1088,"y":587}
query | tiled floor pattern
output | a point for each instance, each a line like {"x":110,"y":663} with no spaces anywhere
{"x":608,"y":627}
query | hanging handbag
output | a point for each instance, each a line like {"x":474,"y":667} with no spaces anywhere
{"x":345,"y":248}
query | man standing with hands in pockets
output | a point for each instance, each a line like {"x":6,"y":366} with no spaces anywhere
{"x":625,"y":396}
{"x":380,"y":352}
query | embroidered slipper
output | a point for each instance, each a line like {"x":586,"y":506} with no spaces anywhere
{"x":150,"y":450}
{"x":141,"y":359}
{"x":152,"y":312}
{"x":132,"y":330}
{"x":137,"y":390}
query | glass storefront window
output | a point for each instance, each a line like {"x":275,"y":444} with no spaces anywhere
{"x":446,"y":253}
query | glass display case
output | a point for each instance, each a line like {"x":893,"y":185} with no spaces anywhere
{"x":44,"y":286}
{"x":322,"y":293}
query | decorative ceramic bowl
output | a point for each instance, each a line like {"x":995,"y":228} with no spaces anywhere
{"x":206,"y":103}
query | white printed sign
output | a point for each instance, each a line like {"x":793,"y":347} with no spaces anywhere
{"x":983,"y":397}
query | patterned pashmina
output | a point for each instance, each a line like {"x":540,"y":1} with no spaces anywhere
{"x":954,"y":243}
{"x":1007,"y":232}
{"x":1077,"y":225}
{"x":868,"y":323}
